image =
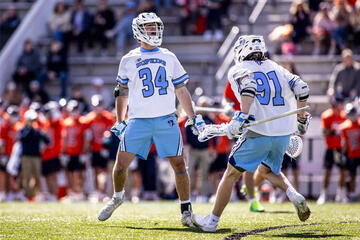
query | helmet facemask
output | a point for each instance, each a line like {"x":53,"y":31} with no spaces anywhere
{"x":145,"y":31}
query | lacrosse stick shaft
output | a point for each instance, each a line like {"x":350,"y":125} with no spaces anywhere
{"x":278,"y":116}
{"x":210,"y":109}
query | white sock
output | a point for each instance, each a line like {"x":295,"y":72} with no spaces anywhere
{"x":323,"y":191}
{"x":183,"y":202}
{"x":291,"y":193}
{"x":252,"y":200}
{"x":119,"y":194}
{"x":214,"y":218}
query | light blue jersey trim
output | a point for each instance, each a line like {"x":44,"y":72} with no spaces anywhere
{"x":181,"y":79}
{"x":122,"y":81}
{"x":146,"y":50}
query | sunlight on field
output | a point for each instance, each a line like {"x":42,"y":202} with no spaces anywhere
{"x":161,"y":220}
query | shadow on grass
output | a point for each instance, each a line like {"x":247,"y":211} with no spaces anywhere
{"x":223,"y":230}
{"x":279,"y":212}
{"x":307,"y":235}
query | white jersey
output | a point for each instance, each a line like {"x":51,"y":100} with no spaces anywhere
{"x":274,"y":95}
{"x":151,"y":77}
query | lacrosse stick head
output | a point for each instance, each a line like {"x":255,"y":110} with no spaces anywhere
{"x":295,"y":146}
{"x":212,"y":130}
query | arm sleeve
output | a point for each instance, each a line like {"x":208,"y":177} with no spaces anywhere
{"x":122,"y":77}
{"x":180,"y":75}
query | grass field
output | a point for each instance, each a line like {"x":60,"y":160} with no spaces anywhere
{"x":161,"y":220}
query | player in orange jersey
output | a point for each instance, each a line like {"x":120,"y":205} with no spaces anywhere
{"x":330,"y":122}
{"x":50,"y":155}
{"x":350,"y":139}
{"x":3,"y":157}
{"x":9,"y":134}
{"x":98,"y":121}
{"x":223,"y":147}
{"x":74,"y":144}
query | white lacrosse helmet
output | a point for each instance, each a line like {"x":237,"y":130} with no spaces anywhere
{"x":248,"y":44}
{"x":138,"y":27}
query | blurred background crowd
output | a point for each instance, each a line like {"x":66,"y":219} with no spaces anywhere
{"x":57,"y":146}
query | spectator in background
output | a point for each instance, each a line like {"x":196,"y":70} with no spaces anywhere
{"x":147,"y":6}
{"x":331,"y":120}
{"x":50,"y":164}
{"x":81,"y":100}
{"x":199,"y":155}
{"x":123,"y":29}
{"x":81,"y":22}
{"x":300,"y":20}
{"x":8,"y":23}
{"x":340,"y":14}
{"x":350,"y":135}
{"x":98,"y":89}
{"x":60,"y":23}
{"x":345,"y":78}
{"x":191,"y":17}
{"x":213,"y":20}
{"x":28,"y":66}
{"x":322,"y":28}
{"x":57,"y":66}
{"x":167,"y":5}
{"x":37,"y":94}
{"x":355,"y":27}
{"x":97,"y":122}
{"x":12,"y":95}
{"x":104,"y":20}
{"x":30,"y":139}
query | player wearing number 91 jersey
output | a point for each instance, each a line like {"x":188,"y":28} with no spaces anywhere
{"x":264,"y":90}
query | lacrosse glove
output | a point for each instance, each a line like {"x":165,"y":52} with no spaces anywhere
{"x":196,"y":124}
{"x":119,"y":128}
{"x":236,"y":125}
{"x":303,"y":124}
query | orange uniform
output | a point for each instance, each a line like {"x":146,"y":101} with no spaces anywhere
{"x":53,"y":131}
{"x":331,"y":120}
{"x":73,"y":135}
{"x":9,"y":134}
{"x":98,"y":124}
{"x":222,"y":143}
{"x":350,"y":134}
{"x":229,"y":94}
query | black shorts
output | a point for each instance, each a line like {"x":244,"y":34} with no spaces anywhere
{"x":333,"y":156}
{"x":50,"y":166}
{"x":3,"y":162}
{"x":74,"y":164}
{"x":289,"y":162}
{"x":2,"y":168}
{"x":219,"y":164}
{"x":98,"y":161}
{"x":352,"y":164}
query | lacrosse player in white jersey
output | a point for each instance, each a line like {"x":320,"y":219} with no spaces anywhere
{"x":149,"y":80}
{"x":265,"y":89}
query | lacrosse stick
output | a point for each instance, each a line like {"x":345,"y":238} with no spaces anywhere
{"x":214,"y":130}
{"x":210,"y":109}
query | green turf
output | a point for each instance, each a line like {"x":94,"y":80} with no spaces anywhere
{"x":161,"y":220}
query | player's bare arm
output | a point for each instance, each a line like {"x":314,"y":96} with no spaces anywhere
{"x":121,"y":93}
{"x":184,"y":98}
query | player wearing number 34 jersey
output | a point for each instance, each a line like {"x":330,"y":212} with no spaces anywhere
{"x":150,"y":79}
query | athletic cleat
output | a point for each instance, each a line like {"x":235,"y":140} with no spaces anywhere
{"x":302,"y":209}
{"x":186,"y":219}
{"x":256,"y":207}
{"x":110,"y":207}
{"x":204,"y":223}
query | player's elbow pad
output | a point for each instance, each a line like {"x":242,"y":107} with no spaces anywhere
{"x":301,"y":90}
{"x":248,"y":86}
{"x":120,"y":91}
